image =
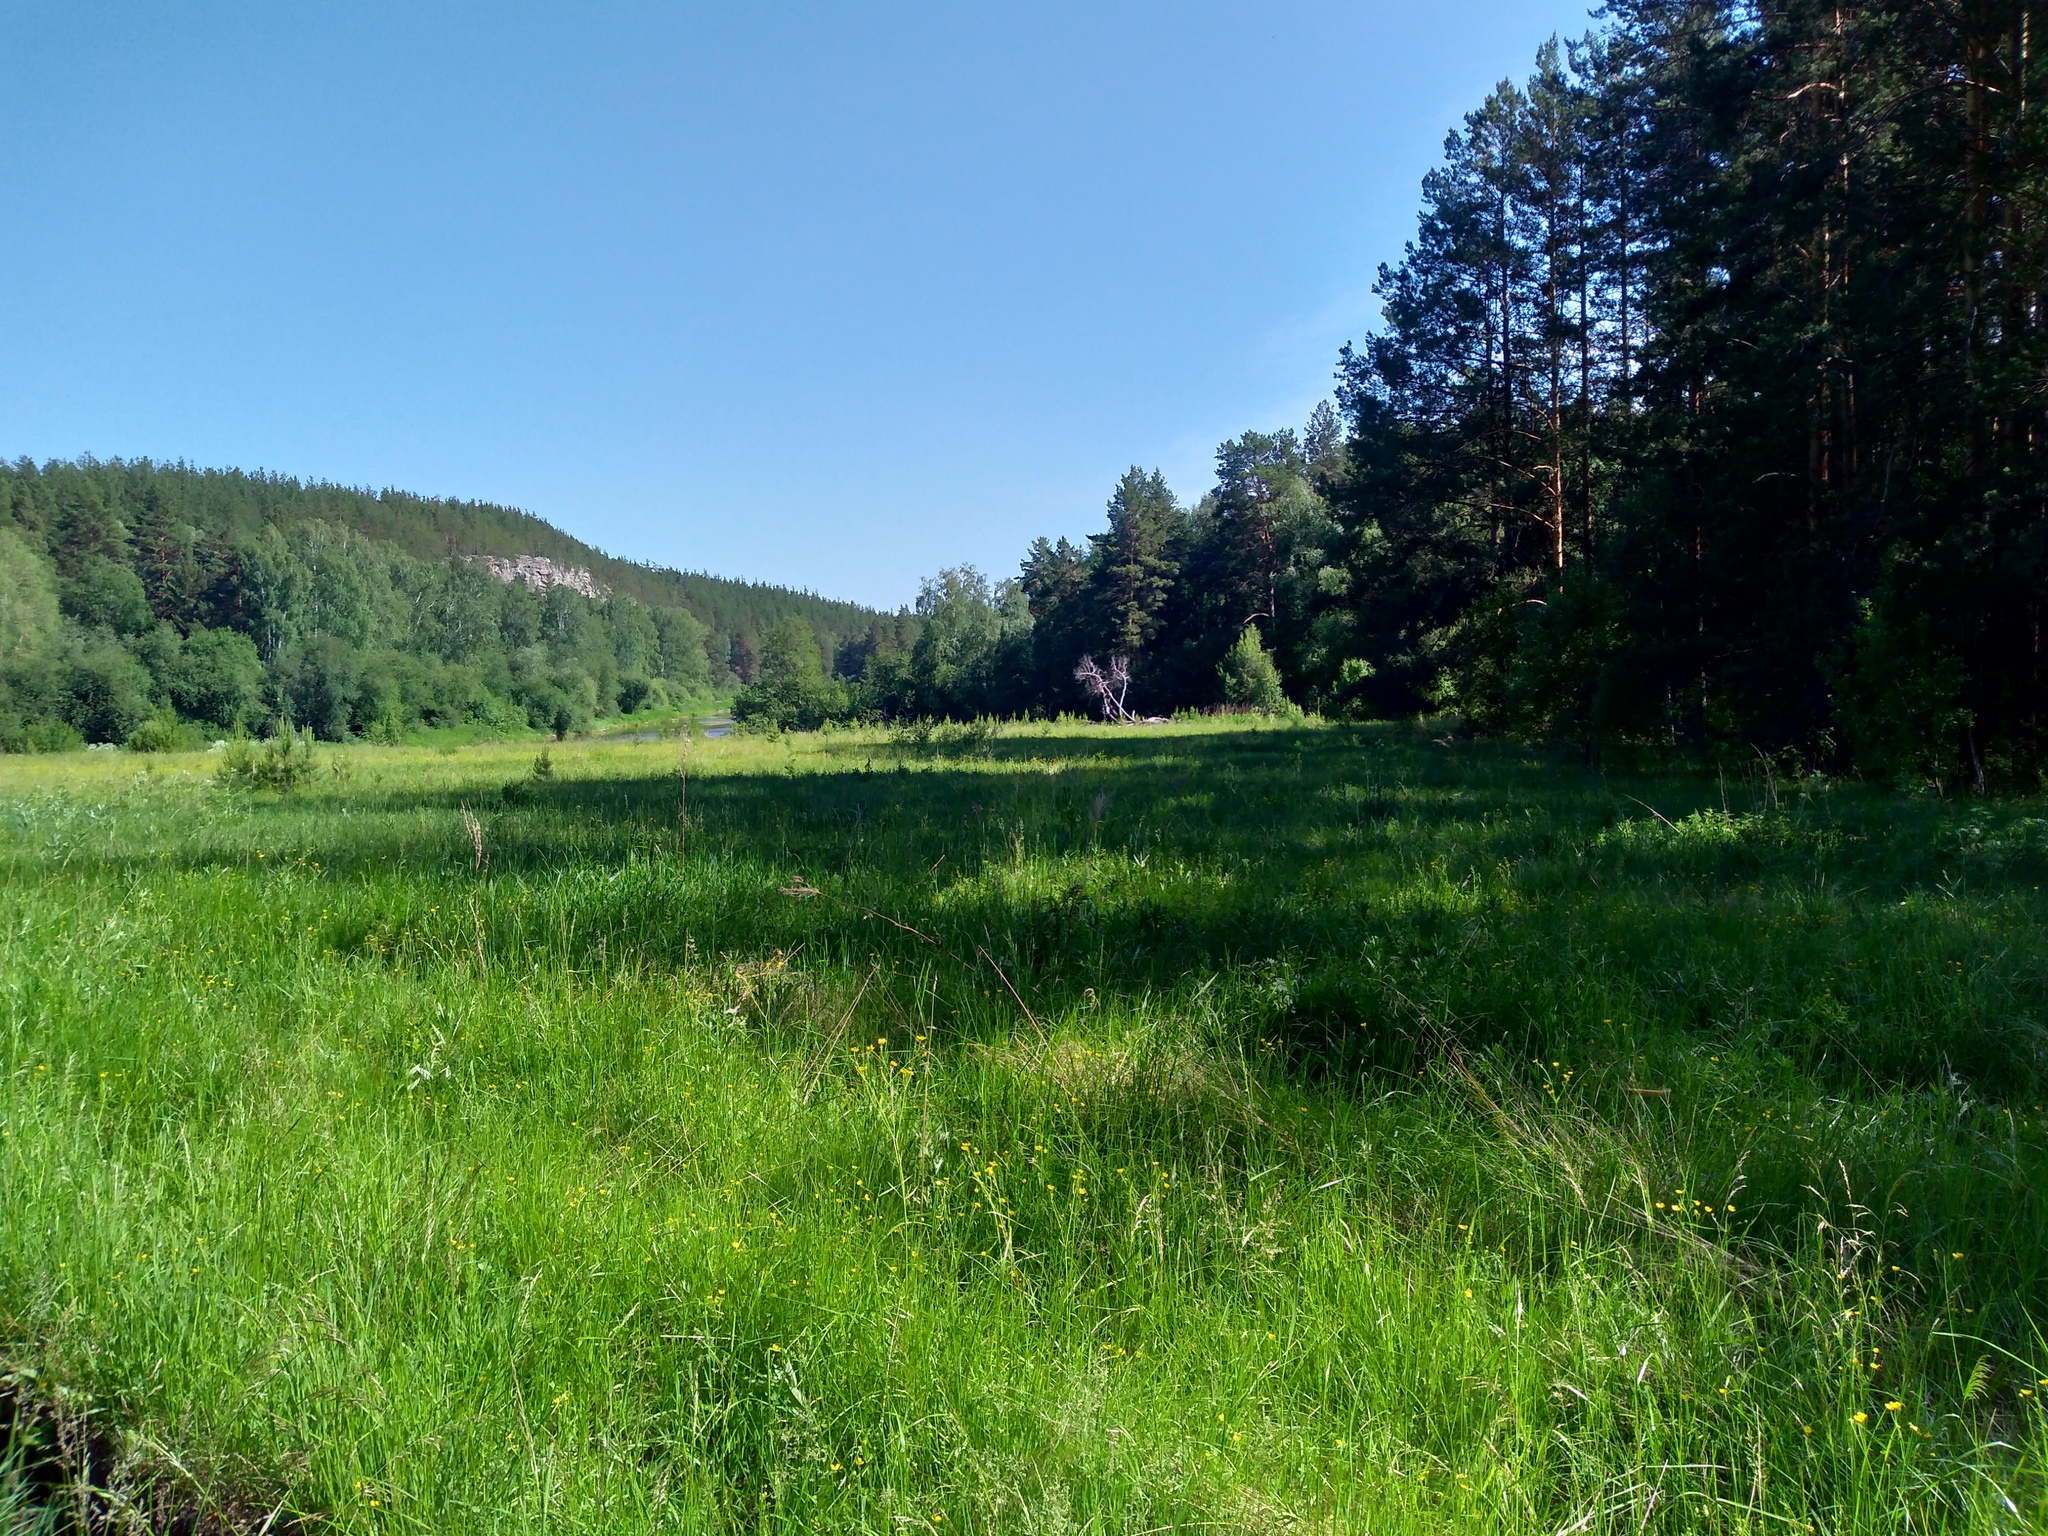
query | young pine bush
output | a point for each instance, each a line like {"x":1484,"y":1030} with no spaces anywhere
{"x":1249,"y":678}
{"x":519,"y":791}
{"x":284,"y":763}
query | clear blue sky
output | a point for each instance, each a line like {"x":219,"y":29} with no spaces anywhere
{"x":831,"y":295}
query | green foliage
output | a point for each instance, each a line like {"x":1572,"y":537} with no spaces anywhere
{"x":971,"y":652}
{"x":635,"y":693}
{"x":682,"y":659}
{"x":321,"y":682}
{"x":162,"y":733}
{"x":42,"y":736}
{"x":82,"y":526}
{"x":636,"y":640}
{"x":1703,"y":417}
{"x":349,"y":611}
{"x":790,"y":690}
{"x":1168,"y":588}
{"x":105,"y":595}
{"x":1553,"y":659}
{"x":1625,"y":466}
{"x":217,"y":677}
{"x":1054,"y":582}
{"x":96,"y":685}
{"x":1248,"y":677}
{"x":1905,"y":710}
{"x":1261,"y":552}
{"x":28,"y":597}
{"x":1374,"y":1089}
{"x":285,"y":763}
{"x":1136,"y":559}
{"x":925,"y":736}
{"x":1626,"y":463}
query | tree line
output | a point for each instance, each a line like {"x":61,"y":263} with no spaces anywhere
{"x":1188,"y":598}
{"x":1706,"y":414}
{"x":175,"y":603}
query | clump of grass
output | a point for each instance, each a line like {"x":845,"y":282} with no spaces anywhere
{"x":946,"y":738}
{"x":1401,"y":1137}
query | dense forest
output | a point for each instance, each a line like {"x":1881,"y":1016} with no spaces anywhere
{"x":154,"y":603}
{"x":1706,"y":414}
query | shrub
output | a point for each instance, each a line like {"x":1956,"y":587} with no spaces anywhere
{"x":634,"y":694}
{"x":50,"y":736}
{"x":946,"y":738}
{"x":1249,"y":678}
{"x":1905,"y":712}
{"x":388,"y":728}
{"x":552,"y":706}
{"x":519,"y":791}
{"x":284,"y":763}
{"x":160,"y":733}
{"x":493,"y":713}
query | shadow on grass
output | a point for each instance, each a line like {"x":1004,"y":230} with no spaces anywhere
{"x":62,"y":1469}
{"x":1349,"y":899}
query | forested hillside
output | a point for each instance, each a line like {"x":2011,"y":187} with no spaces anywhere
{"x":136,"y":596}
{"x":1707,"y":412}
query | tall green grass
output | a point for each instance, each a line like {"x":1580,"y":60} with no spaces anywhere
{"x":1190,"y":1129}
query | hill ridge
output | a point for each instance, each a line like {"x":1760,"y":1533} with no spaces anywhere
{"x":132,"y":589}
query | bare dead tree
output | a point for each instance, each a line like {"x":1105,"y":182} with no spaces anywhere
{"x":1107,"y":686}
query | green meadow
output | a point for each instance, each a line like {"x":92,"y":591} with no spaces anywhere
{"x":1211,"y":1127}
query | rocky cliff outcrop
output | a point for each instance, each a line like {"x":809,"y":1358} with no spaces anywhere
{"x":540,"y":573}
